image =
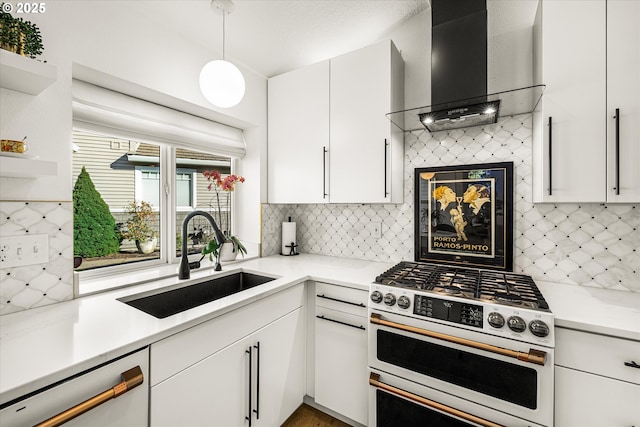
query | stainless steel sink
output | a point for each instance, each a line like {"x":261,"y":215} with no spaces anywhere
{"x":165,"y":303}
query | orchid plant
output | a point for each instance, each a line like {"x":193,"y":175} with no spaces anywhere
{"x":222,"y":197}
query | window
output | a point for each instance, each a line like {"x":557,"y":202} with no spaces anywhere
{"x":145,"y":161}
{"x":184,"y":188}
{"x":148,"y":184}
{"x":130,"y":178}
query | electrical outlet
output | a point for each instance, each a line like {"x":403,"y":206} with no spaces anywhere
{"x":375,"y":229}
{"x":17,"y":251}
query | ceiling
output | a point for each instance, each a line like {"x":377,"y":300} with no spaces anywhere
{"x":271,"y":37}
{"x":274,"y":36}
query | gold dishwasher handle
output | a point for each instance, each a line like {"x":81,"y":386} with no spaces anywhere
{"x":130,"y":379}
{"x":533,"y":356}
{"x":374,"y":380}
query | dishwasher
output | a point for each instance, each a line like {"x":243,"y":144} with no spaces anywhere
{"x":112,"y":393}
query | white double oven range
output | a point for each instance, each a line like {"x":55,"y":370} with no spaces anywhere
{"x":457,"y":346}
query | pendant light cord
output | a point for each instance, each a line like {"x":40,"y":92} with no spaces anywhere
{"x":224,"y":15}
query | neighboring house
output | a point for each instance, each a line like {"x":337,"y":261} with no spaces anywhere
{"x":123,"y":171}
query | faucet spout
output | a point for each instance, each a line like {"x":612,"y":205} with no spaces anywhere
{"x":184,"y":271}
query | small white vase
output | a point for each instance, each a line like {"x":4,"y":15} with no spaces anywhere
{"x":147,"y":246}
{"x":226,"y":251}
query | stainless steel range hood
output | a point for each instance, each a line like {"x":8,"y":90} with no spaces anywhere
{"x":459,"y":95}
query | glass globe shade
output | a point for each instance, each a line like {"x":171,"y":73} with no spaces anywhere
{"x":222,"y":83}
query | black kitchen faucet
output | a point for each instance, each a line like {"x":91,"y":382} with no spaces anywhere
{"x":185,"y":267}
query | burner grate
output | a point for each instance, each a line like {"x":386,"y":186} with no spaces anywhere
{"x":495,"y":286}
{"x":455,"y":281}
{"x":512,"y":289}
{"x":407,"y":274}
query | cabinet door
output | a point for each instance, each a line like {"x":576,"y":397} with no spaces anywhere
{"x":623,"y":93}
{"x":278,"y":353}
{"x":298,"y":135}
{"x":589,"y":400}
{"x":362,"y":151}
{"x":341,"y":363}
{"x":572,"y":150}
{"x":214,"y":391}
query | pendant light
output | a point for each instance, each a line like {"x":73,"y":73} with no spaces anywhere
{"x":221,"y":82}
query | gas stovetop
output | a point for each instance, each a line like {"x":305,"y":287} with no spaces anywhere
{"x":496,"y":287}
{"x":498,"y":303}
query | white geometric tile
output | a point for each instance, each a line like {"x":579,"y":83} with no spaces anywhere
{"x":31,"y":286}
{"x":585,"y":244}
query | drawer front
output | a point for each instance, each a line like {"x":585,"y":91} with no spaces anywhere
{"x":168,"y":356}
{"x":598,"y":354}
{"x":342,"y":298}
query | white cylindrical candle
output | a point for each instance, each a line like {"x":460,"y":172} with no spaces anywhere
{"x":288,"y":237}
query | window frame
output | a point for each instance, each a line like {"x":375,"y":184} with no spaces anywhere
{"x":115,"y":276}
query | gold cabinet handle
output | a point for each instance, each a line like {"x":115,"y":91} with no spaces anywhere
{"x":130,"y":379}
{"x":533,"y":356}
{"x":374,"y":380}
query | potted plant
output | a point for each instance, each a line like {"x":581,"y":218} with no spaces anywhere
{"x":223,"y":187}
{"x":19,"y":36}
{"x":32,"y":39}
{"x":139,"y":226}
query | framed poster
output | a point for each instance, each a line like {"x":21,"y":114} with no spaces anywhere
{"x":464,"y":215}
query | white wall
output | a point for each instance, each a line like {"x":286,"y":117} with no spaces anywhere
{"x":509,"y":55}
{"x":162,"y":67}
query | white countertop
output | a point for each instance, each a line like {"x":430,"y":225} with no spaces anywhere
{"x":602,"y":311}
{"x":47,"y":344}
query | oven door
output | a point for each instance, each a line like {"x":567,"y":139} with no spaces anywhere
{"x":395,"y":401}
{"x":508,"y":375}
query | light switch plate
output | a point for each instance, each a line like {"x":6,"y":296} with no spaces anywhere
{"x":17,"y":251}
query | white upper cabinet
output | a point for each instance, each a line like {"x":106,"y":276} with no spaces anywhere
{"x":623,"y":101}
{"x":299,"y":135}
{"x":569,"y":131}
{"x":590,"y":66}
{"x":329,"y":139}
{"x":366,"y":148}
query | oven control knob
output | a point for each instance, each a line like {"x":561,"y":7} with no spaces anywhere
{"x":376,"y":296}
{"x":404,"y":302}
{"x":539,"y":328}
{"x":390,"y":299}
{"x":496,"y":320}
{"x":516,"y":324}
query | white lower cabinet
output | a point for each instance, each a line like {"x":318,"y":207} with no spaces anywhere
{"x":257,"y":380}
{"x":588,"y":400}
{"x":341,"y":381}
{"x":596,"y":383}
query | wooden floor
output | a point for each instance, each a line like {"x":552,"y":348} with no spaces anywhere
{"x":306,"y":416}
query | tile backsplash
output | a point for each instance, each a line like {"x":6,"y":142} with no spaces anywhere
{"x":584,"y":244}
{"x":41,"y":284}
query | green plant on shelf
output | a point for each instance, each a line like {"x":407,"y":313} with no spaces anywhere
{"x":19,"y":36}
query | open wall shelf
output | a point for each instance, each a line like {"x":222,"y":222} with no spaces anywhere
{"x":12,"y":167}
{"x":24,"y":74}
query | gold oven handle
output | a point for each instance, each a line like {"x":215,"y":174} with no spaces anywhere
{"x":533,"y":356}
{"x":130,"y":379}
{"x":374,"y":380}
